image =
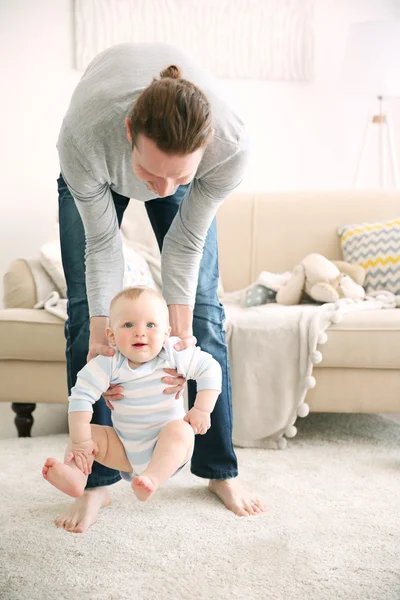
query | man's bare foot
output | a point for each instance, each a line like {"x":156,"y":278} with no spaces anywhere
{"x":143,"y":487}
{"x":64,"y":478}
{"x":236,"y":498}
{"x":83,"y":513}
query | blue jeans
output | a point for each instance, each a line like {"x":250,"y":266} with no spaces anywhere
{"x":213,"y":456}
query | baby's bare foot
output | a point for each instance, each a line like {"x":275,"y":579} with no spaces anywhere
{"x":143,"y":487}
{"x":64,"y":478}
{"x":83,"y":513}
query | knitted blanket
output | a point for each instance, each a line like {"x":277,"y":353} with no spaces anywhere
{"x":273,"y":350}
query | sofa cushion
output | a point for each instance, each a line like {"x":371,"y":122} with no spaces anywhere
{"x":19,"y":286}
{"x":41,"y":382}
{"x":29,"y":334}
{"x":376,"y":247}
{"x":368,"y":339}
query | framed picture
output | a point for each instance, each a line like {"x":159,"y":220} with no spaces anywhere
{"x":233,"y":39}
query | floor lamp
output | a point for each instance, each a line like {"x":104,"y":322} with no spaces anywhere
{"x":372,"y":66}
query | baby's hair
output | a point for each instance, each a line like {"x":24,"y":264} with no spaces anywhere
{"x":133,"y":293}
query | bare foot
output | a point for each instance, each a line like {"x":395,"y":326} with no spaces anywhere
{"x":236,"y":498}
{"x":64,"y":478}
{"x":83,"y":513}
{"x":143,"y":487}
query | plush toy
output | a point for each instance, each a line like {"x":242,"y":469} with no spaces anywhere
{"x":323,"y":281}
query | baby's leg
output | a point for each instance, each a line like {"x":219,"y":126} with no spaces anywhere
{"x":111,"y":450}
{"x":67,"y":478}
{"x":174,"y":448}
{"x":70,"y":479}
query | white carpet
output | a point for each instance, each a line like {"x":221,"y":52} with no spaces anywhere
{"x":332,"y":529}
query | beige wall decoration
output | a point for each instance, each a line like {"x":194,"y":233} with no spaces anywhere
{"x":233,"y":39}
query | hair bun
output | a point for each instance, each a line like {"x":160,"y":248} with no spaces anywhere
{"x":172,"y":71}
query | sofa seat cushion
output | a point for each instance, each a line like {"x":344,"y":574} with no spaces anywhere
{"x":368,"y":339}
{"x":29,"y":334}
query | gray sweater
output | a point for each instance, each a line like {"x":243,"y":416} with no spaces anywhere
{"x":95,"y":157}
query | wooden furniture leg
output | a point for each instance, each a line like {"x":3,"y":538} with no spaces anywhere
{"x":24,"y":418}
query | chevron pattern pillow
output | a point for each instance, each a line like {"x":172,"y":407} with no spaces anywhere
{"x":376,"y":247}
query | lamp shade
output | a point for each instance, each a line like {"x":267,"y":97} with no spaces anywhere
{"x":372,"y":58}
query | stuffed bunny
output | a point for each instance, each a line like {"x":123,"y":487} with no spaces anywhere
{"x":322,"y":280}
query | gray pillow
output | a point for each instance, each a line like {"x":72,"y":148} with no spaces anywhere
{"x":259,"y":294}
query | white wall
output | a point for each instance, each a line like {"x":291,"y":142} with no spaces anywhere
{"x":37,"y":81}
{"x":305,"y":135}
{"x":308,"y":135}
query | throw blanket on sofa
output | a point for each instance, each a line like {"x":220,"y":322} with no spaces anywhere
{"x":273,"y":349}
{"x":55,"y":305}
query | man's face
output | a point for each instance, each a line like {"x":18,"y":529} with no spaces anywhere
{"x":162,"y":172}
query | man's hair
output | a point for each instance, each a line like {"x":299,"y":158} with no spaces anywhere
{"x":133,"y":293}
{"x":173,"y":113}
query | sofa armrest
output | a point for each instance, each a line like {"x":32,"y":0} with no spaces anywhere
{"x":19,"y":286}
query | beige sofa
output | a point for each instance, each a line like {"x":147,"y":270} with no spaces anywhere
{"x":360,"y":371}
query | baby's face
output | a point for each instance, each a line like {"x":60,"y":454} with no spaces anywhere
{"x":139,"y":327}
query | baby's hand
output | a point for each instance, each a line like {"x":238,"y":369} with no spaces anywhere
{"x":83,"y":454}
{"x":200,"y":420}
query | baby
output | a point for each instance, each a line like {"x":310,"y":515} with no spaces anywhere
{"x":152,"y":438}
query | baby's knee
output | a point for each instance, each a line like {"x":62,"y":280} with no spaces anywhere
{"x":188,"y":431}
{"x":181,"y":429}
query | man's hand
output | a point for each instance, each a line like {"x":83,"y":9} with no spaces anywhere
{"x":186,"y":342}
{"x":83,"y":454}
{"x":114,"y":392}
{"x":98,"y":342}
{"x":176,"y":380}
{"x":181,"y":319}
{"x":200,"y":420}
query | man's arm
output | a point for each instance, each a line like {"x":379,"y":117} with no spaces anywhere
{"x":184,"y":242}
{"x":181,"y":321}
{"x":104,"y":257}
{"x":98,"y":341}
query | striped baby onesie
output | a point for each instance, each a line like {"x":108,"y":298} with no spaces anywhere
{"x":139,"y":417}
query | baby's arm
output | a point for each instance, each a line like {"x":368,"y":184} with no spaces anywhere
{"x":92,"y":381}
{"x":195,"y":364}
{"x":82,"y":448}
{"x":199,"y":416}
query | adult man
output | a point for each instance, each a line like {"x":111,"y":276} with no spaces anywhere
{"x":173,"y":143}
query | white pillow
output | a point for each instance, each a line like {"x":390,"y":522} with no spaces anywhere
{"x":137,"y":233}
{"x":50,"y":259}
{"x":136,"y":272}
